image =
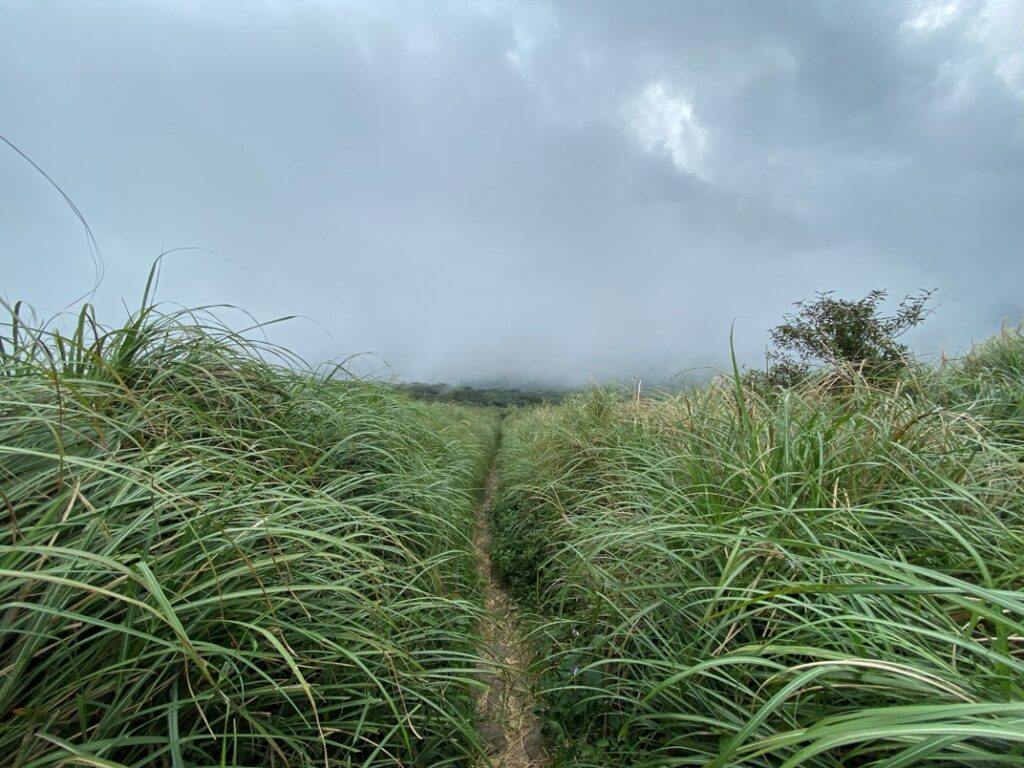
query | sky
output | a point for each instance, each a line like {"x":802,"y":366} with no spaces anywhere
{"x":555,"y":192}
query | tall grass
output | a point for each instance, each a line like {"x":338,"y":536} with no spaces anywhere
{"x":829,"y":576}
{"x":214,"y":557}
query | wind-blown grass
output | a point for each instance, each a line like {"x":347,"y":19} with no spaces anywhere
{"x":829,"y":576}
{"x":214,"y":558}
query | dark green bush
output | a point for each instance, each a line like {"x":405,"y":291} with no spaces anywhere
{"x":845,"y":335}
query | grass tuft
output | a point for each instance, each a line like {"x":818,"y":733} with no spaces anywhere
{"x":822,"y":576}
{"x":216,"y":557}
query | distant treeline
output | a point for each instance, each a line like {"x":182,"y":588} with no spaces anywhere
{"x":497,"y":397}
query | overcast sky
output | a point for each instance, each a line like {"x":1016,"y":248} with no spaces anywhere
{"x":552,"y":190}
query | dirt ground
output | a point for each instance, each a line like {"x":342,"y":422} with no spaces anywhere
{"x":506,"y":719}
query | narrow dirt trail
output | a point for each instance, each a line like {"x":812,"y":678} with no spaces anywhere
{"x":505,"y":711}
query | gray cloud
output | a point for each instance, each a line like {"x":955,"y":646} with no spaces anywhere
{"x":566,"y":190}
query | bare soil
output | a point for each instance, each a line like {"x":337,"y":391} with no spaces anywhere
{"x":505,"y":711}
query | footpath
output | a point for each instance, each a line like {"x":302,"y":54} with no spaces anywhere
{"x":505,"y":712}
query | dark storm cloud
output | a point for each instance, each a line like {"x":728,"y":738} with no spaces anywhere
{"x":563,"y":190}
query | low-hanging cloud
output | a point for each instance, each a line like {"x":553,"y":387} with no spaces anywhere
{"x":535,"y":191}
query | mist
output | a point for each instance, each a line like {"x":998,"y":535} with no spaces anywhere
{"x":538,"y":192}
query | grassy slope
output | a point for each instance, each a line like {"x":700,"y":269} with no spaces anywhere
{"x":213,"y":560}
{"x":729,"y":578}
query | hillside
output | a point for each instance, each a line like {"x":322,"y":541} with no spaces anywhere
{"x":214,"y":556}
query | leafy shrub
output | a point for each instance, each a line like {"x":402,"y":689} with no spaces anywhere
{"x":843,"y":334}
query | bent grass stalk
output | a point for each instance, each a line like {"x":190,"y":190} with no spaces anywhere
{"x":214,"y":558}
{"x":817,"y":577}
